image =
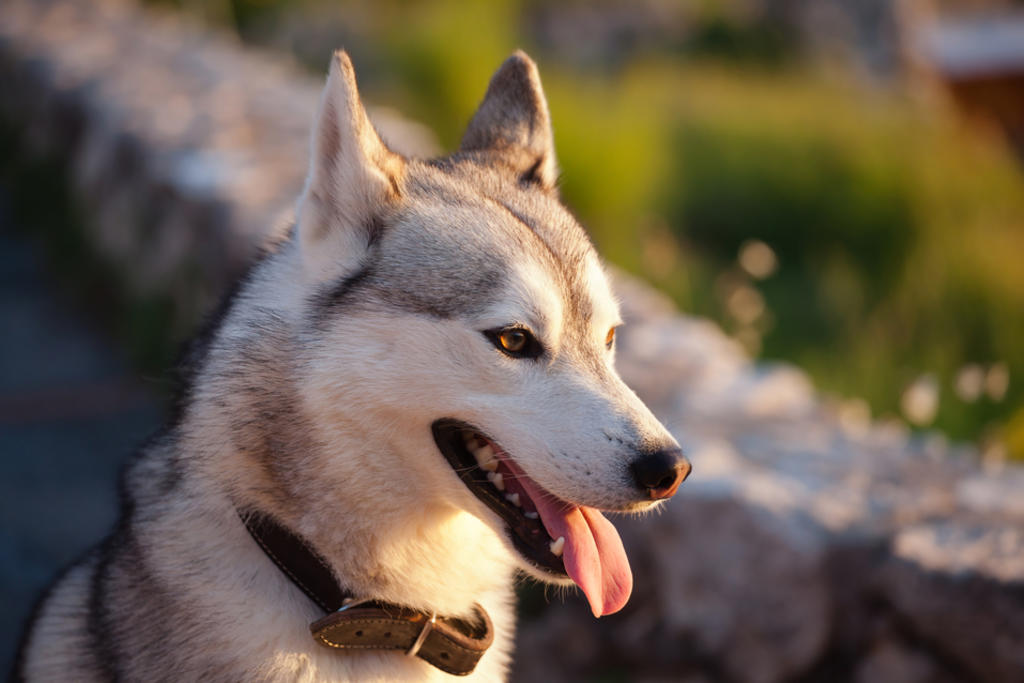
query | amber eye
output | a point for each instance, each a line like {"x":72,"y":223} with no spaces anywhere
{"x":610,"y":339}
{"x":517,"y":342}
{"x":513,"y":340}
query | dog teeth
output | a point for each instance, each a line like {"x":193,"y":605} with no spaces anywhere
{"x":513,"y":498}
{"x":496,"y":480}
{"x":557,"y":546}
{"x":485,"y":457}
{"x":531,"y":515}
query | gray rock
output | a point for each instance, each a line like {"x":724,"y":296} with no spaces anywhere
{"x":959,"y":584}
{"x":894,"y":662}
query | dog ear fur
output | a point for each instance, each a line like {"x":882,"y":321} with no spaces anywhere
{"x":512,"y":124}
{"x":353,"y":176}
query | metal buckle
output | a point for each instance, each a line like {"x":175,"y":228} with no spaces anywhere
{"x":427,"y":626}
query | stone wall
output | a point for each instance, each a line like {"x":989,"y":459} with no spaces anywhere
{"x":809,"y":544}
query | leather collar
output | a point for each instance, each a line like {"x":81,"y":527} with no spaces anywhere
{"x":450,"y":644}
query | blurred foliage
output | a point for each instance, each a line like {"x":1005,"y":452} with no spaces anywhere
{"x":895,"y":229}
{"x":717,"y":35}
{"x":898,"y":230}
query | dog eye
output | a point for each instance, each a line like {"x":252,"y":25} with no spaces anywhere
{"x":513,"y":340}
{"x":517,"y":342}
{"x":610,"y":339}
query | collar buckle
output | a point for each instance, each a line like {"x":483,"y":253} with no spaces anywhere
{"x":428,"y":625}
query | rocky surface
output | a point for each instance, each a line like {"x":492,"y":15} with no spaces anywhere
{"x":809,"y":544}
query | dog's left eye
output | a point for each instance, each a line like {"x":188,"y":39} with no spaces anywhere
{"x":517,"y":342}
{"x":610,"y":339}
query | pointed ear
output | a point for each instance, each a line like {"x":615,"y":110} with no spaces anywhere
{"x":513,"y":124}
{"x":352,"y":178}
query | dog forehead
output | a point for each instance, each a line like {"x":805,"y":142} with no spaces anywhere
{"x":576,"y":268}
{"x":449,"y":256}
{"x":462,"y":243}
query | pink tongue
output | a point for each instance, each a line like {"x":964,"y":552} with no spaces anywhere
{"x":593,"y":553}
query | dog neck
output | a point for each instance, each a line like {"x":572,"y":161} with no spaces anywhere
{"x":385,"y":536}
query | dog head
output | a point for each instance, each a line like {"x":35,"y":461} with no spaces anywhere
{"x":462,"y":309}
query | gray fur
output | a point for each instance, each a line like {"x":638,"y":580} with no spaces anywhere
{"x":312,"y":377}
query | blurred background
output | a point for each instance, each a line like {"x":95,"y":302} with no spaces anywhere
{"x":838,"y":186}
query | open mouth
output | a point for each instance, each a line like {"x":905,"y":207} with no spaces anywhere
{"x":559,"y":538}
{"x":501,"y":485}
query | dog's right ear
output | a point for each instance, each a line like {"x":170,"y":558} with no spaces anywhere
{"x":353,"y":177}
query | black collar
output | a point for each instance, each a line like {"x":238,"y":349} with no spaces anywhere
{"x":297,"y":560}
{"x":450,"y":644}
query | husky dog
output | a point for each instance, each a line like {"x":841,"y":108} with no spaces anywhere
{"x":408,"y":400}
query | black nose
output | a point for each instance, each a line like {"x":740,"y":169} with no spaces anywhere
{"x":660,"y":473}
